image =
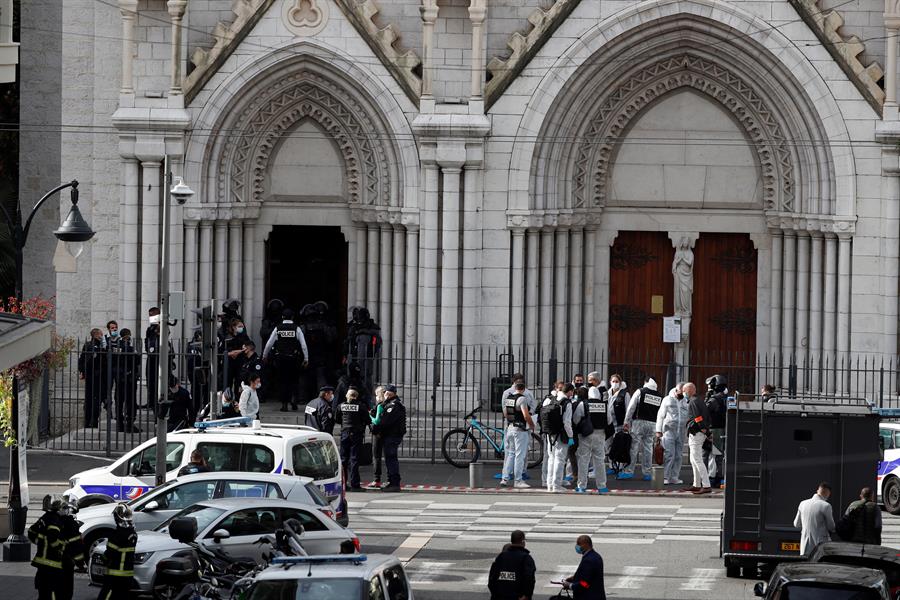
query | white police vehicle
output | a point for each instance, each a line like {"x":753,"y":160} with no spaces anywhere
{"x":227,"y":445}
{"x":329,"y":577}
{"x":889,"y":468}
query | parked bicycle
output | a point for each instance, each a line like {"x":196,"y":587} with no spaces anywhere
{"x":461,"y":448}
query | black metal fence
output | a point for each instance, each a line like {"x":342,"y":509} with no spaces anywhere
{"x":438,"y":384}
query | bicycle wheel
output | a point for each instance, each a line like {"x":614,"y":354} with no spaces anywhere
{"x":460,"y":448}
{"x":535,"y":451}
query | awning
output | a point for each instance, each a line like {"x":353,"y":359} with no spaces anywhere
{"x":22,"y":339}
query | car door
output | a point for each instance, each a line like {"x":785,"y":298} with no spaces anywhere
{"x":376,"y":588}
{"x":173,"y":500}
{"x":245,"y":527}
{"x":396,"y":583}
{"x":140,"y":474}
{"x":316,"y":538}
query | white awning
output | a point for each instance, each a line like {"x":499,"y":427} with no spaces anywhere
{"x":22,"y":338}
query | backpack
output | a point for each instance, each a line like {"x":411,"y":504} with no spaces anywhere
{"x":551,"y":416}
{"x":620,"y":449}
{"x":584,"y":427}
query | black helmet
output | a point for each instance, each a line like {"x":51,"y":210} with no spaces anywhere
{"x":320,"y":307}
{"x":364,"y":314}
{"x":287,"y":314}
{"x":717,"y":383}
{"x":274,"y":308}
{"x":231,"y":306}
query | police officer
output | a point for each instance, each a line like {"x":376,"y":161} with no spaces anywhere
{"x":392,"y":428}
{"x":59,"y":550}
{"x":512,"y":573}
{"x":181,"y":406}
{"x":640,"y":422}
{"x":151,"y":368}
{"x":354,"y":417}
{"x":128,"y":368}
{"x":590,"y":416}
{"x":119,"y":556}
{"x":318,"y":410}
{"x":110,"y":340}
{"x":290,"y":352}
{"x":517,"y":412}
{"x":363,"y":343}
{"x":92,"y":370}
{"x":716,"y":401}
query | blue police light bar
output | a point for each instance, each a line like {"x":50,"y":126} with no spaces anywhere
{"x":888,"y":413}
{"x":232,"y":422}
{"x":321,"y":559}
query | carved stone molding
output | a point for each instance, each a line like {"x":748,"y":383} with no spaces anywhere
{"x":593,"y":159}
{"x":305,"y":17}
{"x":811,"y":223}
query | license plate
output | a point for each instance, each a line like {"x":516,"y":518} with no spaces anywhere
{"x":98,"y":570}
{"x":790,"y":546}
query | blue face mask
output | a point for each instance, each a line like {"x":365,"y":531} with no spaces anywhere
{"x":578,"y":549}
{"x":114,"y":333}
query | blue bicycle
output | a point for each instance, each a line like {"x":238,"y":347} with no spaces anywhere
{"x":461,"y":448}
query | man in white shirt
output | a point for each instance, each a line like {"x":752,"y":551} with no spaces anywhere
{"x":815,"y":519}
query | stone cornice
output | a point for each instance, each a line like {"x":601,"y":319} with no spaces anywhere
{"x":809,"y":223}
{"x":138,"y":119}
{"x":548,"y":219}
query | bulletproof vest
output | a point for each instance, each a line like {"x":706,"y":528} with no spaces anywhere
{"x":717,"y":412}
{"x":620,"y":406}
{"x":596,"y":408}
{"x":648,"y":405}
{"x":552,"y":416}
{"x":513,"y":415}
{"x":286,"y":342}
{"x":352,"y":415}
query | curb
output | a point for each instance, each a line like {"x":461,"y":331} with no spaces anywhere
{"x":460,"y":489}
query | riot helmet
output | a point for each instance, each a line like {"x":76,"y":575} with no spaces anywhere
{"x":274,"y":308}
{"x":287,"y":314}
{"x":717,"y":383}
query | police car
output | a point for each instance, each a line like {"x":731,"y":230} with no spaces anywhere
{"x":344,"y":576}
{"x":889,"y":468}
{"x":227,"y":446}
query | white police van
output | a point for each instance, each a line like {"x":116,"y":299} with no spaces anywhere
{"x":889,"y":468}
{"x":227,"y":445}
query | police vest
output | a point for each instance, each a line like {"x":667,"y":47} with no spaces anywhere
{"x":286,"y":342}
{"x":512,"y":413}
{"x":620,"y":407}
{"x":352,"y":415}
{"x":119,"y":555}
{"x":596,"y":408}
{"x":648,"y":405}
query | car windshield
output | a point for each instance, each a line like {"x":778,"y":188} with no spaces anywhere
{"x":891,"y":569}
{"x":308,"y":589}
{"x":818,"y":591}
{"x":317,"y":459}
{"x":204,"y":515}
{"x":142,"y":500}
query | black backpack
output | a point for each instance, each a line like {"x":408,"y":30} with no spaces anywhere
{"x":551,"y":416}
{"x":620,"y":450}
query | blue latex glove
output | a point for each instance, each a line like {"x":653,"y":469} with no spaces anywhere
{"x":571,"y":442}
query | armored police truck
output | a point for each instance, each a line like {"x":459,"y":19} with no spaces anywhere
{"x":776,"y":455}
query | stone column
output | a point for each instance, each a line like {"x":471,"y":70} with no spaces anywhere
{"x":428,"y":239}
{"x":235,"y":246}
{"x":128,"y":249}
{"x":605,"y":241}
{"x":128,"y":8}
{"x":546,"y":323}
{"x":561,"y":272}
{"x":477,"y":12}
{"x":190,"y":272}
{"x":372,"y":261}
{"x":397,"y":299}
{"x":815,"y":299}
{"x":532,"y":286}
{"x":575,"y":287}
{"x":775,"y":315}
{"x":249,"y":304}
{"x":829,"y":341}
{"x":429,"y":10}
{"x":789,"y":299}
{"x":450,"y":256}
{"x":150,"y":203}
{"x":843,"y":315}
{"x":220,"y":260}
{"x":801,"y":341}
{"x":412,"y":287}
{"x":590,"y":257}
{"x":471,"y":201}
{"x":385,"y":287}
{"x":176,"y":12}
{"x":350,"y":235}
{"x":517,"y":293}
{"x":361,"y":248}
{"x":892,"y":30}
{"x":204,"y":285}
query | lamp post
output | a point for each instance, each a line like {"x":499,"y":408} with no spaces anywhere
{"x":181,"y":193}
{"x":74,"y":231}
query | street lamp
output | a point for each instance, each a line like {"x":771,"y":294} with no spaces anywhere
{"x":74,"y":232}
{"x":181,"y":193}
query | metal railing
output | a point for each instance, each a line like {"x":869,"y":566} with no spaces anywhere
{"x":439,"y":385}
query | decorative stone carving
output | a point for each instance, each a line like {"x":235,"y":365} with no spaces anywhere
{"x":605,"y":129}
{"x":305,"y":17}
{"x":683,"y":275}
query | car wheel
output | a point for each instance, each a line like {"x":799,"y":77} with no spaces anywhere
{"x":890,"y":495}
{"x":93,"y":539}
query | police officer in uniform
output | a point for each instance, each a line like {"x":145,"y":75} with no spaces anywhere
{"x":318,"y":410}
{"x":129,"y":370}
{"x":512,"y":573}
{"x":290,"y":353}
{"x":392,"y":428}
{"x":640,"y":422}
{"x":590,"y":416}
{"x":517,"y":412}
{"x":354,"y":417}
{"x":151,"y":368}
{"x":716,"y":401}
{"x":59,"y":550}
{"x":92,"y":370}
{"x":119,"y":556}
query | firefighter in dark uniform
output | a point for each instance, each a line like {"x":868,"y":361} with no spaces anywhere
{"x":353,"y":414}
{"x":289,"y":348}
{"x":319,"y":413}
{"x":59,"y":550}
{"x":92,"y":370}
{"x":512,"y":573}
{"x":119,"y":556}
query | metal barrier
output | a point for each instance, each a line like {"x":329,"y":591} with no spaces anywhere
{"x":438,"y":384}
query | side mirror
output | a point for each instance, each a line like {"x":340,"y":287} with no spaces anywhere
{"x":759,"y":590}
{"x":220,"y":534}
{"x":183,"y":529}
{"x":151,"y":506}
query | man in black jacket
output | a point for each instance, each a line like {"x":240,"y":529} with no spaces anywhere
{"x":392,"y":428}
{"x":512,"y":573}
{"x":587,"y":582}
{"x":92,"y":370}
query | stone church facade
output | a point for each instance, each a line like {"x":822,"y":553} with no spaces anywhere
{"x":520,"y":172}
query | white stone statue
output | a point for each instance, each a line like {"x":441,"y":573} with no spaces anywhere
{"x":683,"y":274}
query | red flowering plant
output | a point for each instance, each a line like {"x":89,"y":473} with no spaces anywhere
{"x":30,"y":370}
